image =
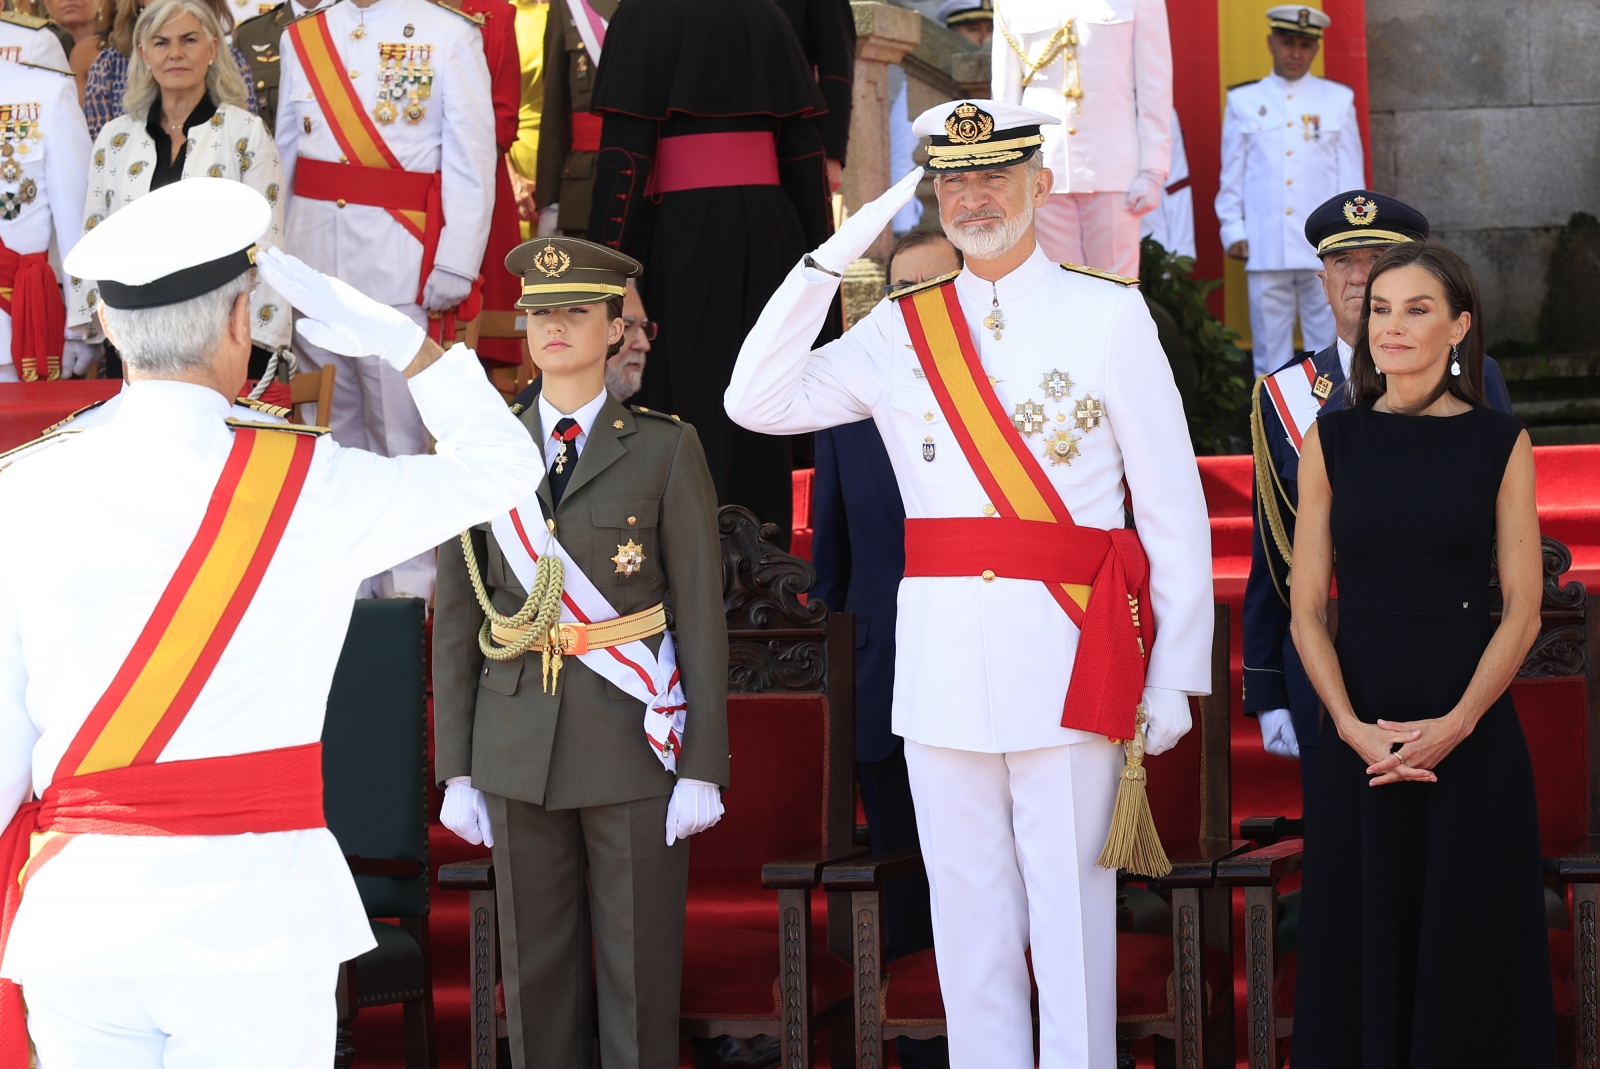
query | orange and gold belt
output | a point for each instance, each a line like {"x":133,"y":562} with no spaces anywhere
{"x":578,"y":639}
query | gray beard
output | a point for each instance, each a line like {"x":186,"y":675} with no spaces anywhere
{"x":991,"y":241}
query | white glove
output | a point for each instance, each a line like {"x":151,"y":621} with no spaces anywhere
{"x":465,"y":812}
{"x":338,"y":317}
{"x":1144,"y":196}
{"x":1277,"y":733}
{"x":862,"y":229}
{"x":444,"y":290}
{"x":549,"y":217}
{"x":1167,"y":719}
{"x":77,"y":357}
{"x":695,"y":806}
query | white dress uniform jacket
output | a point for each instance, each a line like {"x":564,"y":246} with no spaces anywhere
{"x":362,"y":244}
{"x":984,"y":666}
{"x":41,"y":47}
{"x":1172,"y":223}
{"x":233,"y":144}
{"x":56,"y":164}
{"x":1122,"y":126}
{"x":1286,"y":148}
{"x":280,"y":902}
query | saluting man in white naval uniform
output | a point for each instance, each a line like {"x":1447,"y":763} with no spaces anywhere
{"x":394,"y":118}
{"x":1010,"y":395}
{"x":1289,"y":142}
{"x":44,"y":168}
{"x":1103,"y":69}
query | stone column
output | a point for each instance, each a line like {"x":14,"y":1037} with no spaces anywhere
{"x":884,"y":33}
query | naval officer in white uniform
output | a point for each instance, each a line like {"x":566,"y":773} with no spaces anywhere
{"x":1289,"y":142}
{"x":1012,"y":806}
{"x":1103,"y":70}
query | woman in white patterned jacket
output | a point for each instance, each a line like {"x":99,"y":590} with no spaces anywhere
{"x":184,"y":117}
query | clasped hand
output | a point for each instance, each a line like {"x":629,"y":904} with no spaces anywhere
{"x":1422,"y":745}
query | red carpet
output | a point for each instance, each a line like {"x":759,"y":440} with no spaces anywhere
{"x":1569,"y":509}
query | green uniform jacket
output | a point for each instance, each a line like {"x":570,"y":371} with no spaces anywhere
{"x":640,"y":476}
{"x":258,"y":39}
{"x":566,"y":177}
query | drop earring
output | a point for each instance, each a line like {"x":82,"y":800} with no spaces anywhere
{"x":1455,"y":362}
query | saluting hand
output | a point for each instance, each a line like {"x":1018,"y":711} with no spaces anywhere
{"x":337,"y":316}
{"x":859,"y":231}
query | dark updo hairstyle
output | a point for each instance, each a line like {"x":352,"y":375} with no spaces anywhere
{"x":1460,"y":293}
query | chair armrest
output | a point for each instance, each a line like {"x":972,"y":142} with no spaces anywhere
{"x":474,"y":875}
{"x":1265,"y":831}
{"x":1580,"y":862}
{"x":401,"y":868}
{"x":804,"y":870}
{"x":872,"y":873}
{"x":1264,"y":867}
{"x":1197,"y":866}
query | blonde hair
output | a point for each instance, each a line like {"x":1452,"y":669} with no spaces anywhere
{"x":223,"y":81}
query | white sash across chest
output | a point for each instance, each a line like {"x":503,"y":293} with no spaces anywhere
{"x":1290,"y":391}
{"x":652,"y":678}
{"x":591,"y":27}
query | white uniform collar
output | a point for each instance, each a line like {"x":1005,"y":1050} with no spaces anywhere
{"x":1284,"y":84}
{"x":1024,"y":278}
{"x":1346,"y":355}
{"x":165,"y":402}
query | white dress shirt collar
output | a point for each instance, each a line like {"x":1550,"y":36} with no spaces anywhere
{"x":1346,"y":355}
{"x":549,"y":417}
{"x":1283,"y":84}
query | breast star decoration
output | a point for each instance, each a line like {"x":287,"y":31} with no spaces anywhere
{"x":629,"y":558}
{"x":1057,"y":384}
{"x":1088,"y":414}
{"x":1061,"y":447}
{"x":1028,"y":418}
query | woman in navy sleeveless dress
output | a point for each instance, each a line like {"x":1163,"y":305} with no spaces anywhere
{"x":1417,"y":948}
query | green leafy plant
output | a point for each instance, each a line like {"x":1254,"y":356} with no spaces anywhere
{"x":1219,"y":412}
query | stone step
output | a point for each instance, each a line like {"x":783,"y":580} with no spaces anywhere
{"x":1566,"y":434}
{"x":1559,"y":411}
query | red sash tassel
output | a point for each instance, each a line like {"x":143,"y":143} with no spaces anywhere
{"x":1108,"y":672}
{"x":38,"y":316}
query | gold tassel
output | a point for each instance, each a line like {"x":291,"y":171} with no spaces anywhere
{"x":1133,"y":844}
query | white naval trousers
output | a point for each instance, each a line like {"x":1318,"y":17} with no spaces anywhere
{"x":1010,"y":842}
{"x":1093,"y":229}
{"x":373,"y":410}
{"x":192,"y":1021}
{"x":1275,"y":298}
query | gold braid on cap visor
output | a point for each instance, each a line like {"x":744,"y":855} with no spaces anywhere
{"x":573,"y":287}
{"x":1359,"y":238}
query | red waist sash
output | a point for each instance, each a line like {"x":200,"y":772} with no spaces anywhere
{"x":30,"y":294}
{"x":379,"y":187}
{"x":586,"y":131}
{"x":705,"y":161}
{"x":1108,"y":673}
{"x":266,"y":791}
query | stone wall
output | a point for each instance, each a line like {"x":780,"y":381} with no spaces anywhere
{"x":1486,"y":116}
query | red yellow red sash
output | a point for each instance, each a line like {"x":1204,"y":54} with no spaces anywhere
{"x":1096,"y":576}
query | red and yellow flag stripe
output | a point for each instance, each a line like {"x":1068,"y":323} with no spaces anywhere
{"x":352,"y":127}
{"x":201,"y":607}
{"x":1009,"y":472}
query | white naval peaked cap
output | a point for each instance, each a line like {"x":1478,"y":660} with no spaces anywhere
{"x":969,"y":135}
{"x":1298,"y":19}
{"x":173,"y":243}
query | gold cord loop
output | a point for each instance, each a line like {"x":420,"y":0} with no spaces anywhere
{"x":540,"y":615}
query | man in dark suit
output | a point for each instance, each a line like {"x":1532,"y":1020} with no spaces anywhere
{"x":1349,"y":232}
{"x":859,"y":549}
{"x":586,"y":769}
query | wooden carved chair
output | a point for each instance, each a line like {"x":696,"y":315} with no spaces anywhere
{"x":757,"y":958}
{"x":375,"y":796}
{"x":313,"y":387}
{"x":1175,"y":983}
{"x":1557,"y":695}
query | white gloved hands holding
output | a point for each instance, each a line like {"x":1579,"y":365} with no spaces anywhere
{"x":77,"y":357}
{"x":1144,"y":196}
{"x":465,"y":812}
{"x":444,"y":290}
{"x":1277,"y":733}
{"x":1166,"y":719}
{"x":694,"y":807}
{"x":862,"y":229}
{"x":337,"y":316}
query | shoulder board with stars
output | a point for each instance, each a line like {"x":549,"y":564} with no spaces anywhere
{"x":476,"y":20}
{"x":62,"y":423}
{"x":292,"y":428}
{"x":919,"y":287}
{"x":262,"y":406}
{"x":17,"y":18}
{"x":1095,"y":272}
{"x":652,"y":412}
{"x":42,"y":67}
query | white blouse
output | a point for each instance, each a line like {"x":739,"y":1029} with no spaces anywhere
{"x":232,"y":144}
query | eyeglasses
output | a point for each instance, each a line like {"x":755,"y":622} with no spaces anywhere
{"x":650,"y":327}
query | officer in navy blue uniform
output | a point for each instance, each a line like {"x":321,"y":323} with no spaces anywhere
{"x":1349,"y":231}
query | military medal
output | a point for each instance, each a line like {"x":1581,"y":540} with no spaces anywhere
{"x":1087,"y":416}
{"x":629,"y":558}
{"x":927,"y":450}
{"x":10,"y":169}
{"x":1057,"y":384}
{"x":1322,"y":389}
{"x":996,"y":319}
{"x":1028,"y":418}
{"x":561,"y":457}
{"x":1061,"y":447}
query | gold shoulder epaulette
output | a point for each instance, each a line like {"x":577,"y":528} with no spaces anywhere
{"x":42,"y":67}
{"x":292,"y":428}
{"x":1095,"y":272}
{"x":919,"y":287}
{"x":62,"y":423}
{"x":476,"y":20}
{"x":17,"y":18}
{"x":261,"y":406}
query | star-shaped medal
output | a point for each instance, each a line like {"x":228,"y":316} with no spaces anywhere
{"x":629,"y":558}
{"x":1057,"y":384}
{"x":1028,"y":418}
{"x":1061,"y":447}
{"x":1088,"y":414}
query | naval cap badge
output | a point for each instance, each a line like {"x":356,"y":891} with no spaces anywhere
{"x":552,"y":261}
{"x":969,"y":125}
{"x":1360,"y":212}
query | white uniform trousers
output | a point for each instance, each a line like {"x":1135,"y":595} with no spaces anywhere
{"x":1094,"y":229}
{"x":1275,"y":298}
{"x":373,"y":410}
{"x":1010,"y":842}
{"x":190,"y":1021}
